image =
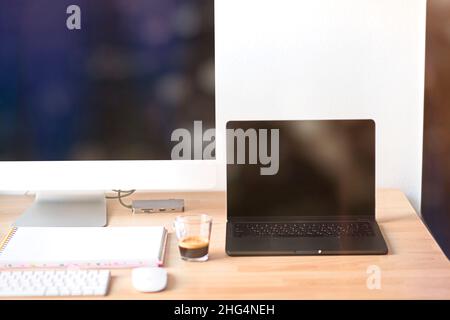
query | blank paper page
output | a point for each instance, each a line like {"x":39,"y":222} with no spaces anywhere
{"x":115,"y":245}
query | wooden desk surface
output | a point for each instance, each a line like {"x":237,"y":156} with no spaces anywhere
{"x":415,"y":267}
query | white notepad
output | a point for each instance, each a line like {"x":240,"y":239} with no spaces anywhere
{"x":111,"y":247}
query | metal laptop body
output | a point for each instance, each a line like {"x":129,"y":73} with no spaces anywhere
{"x":320,"y":201}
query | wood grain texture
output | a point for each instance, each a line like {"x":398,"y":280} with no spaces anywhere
{"x":415,"y":267}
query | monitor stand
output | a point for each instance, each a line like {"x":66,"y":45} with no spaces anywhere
{"x":65,"y":209}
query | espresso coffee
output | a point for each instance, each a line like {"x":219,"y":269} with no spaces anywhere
{"x":193,"y":247}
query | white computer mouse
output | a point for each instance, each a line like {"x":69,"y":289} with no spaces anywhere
{"x":147,"y":279}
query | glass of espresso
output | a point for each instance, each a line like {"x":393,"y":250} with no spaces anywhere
{"x":193,"y":233}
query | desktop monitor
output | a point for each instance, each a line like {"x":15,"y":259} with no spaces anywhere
{"x":91,"y":93}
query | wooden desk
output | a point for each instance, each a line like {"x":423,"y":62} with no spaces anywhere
{"x":414,"y":269}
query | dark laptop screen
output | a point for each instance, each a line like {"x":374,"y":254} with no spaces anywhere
{"x":323,"y":168}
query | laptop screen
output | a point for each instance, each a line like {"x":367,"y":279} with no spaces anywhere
{"x":301,"y":168}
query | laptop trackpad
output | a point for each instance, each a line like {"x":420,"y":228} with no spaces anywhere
{"x":304,"y":245}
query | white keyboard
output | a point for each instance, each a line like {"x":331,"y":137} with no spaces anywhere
{"x":54,"y":283}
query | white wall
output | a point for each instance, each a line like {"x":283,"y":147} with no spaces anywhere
{"x":313,"y":59}
{"x":293,"y":59}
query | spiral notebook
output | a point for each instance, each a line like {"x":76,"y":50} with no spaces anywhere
{"x":111,"y":247}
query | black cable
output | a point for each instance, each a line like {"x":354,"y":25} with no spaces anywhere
{"x":129,"y":206}
{"x":122,"y":194}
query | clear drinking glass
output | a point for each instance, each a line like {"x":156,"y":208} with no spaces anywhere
{"x":193,"y":233}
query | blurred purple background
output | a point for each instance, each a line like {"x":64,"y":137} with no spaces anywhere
{"x":436,"y":170}
{"x":114,"y":90}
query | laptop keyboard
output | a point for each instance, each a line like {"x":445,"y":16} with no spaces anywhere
{"x":309,"y":229}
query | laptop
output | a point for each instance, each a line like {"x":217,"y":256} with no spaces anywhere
{"x":302,"y":188}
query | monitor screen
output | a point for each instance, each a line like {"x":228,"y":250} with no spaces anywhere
{"x":103,"y":79}
{"x":322,"y":168}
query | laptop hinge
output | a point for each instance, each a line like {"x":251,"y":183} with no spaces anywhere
{"x":305,"y":218}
